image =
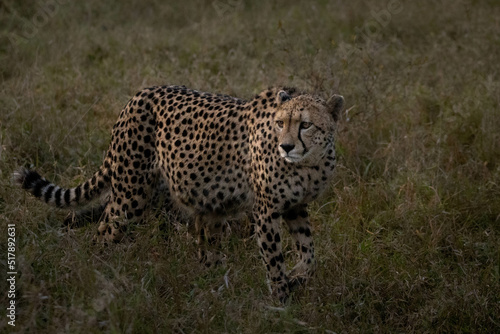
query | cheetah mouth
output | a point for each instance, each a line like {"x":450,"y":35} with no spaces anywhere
{"x":292,"y":159}
{"x":293,"y":156}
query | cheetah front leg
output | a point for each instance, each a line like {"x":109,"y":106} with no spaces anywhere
{"x":268,"y":232}
{"x":299,"y":226}
{"x":209,"y":230}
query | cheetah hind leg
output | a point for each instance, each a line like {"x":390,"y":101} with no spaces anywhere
{"x":110,"y":229}
{"x":209,"y":231}
{"x":77,"y":219}
{"x":115,"y":221}
{"x":114,"y":227}
{"x":90,"y":214}
{"x":162,"y":208}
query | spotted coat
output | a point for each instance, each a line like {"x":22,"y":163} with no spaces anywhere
{"x":213,"y":156}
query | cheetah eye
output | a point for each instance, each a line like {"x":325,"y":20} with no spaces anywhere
{"x":280,"y":124}
{"x":305,"y":125}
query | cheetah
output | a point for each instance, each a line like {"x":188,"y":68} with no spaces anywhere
{"x":211,"y":156}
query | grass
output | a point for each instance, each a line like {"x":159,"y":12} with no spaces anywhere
{"x":407,"y":238}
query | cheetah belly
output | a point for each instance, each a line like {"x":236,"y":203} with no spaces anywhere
{"x":225,"y":193}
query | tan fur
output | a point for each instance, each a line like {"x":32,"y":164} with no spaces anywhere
{"x":213,"y":156}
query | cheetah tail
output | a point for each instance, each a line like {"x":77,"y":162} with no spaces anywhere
{"x":52,"y":194}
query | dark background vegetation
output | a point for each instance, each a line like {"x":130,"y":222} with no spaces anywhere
{"x":407,"y":238}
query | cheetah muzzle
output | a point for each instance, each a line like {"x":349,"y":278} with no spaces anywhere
{"x":211,"y":156}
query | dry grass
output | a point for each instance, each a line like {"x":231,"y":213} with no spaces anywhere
{"x":408,"y":237}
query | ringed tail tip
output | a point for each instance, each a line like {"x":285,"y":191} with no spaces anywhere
{"x":24,"y":177}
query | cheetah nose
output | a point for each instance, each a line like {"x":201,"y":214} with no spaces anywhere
{"x":287,"y":147}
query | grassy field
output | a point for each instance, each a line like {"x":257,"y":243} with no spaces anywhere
{"x":408,"y":236}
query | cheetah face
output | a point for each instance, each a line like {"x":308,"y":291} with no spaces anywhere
{"x":305,"y":126}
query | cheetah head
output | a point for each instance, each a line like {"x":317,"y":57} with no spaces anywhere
{"x":305,"y":126}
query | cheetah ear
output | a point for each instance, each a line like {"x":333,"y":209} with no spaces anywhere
{"x":335,"y":104}
{"x":282,"y":97}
